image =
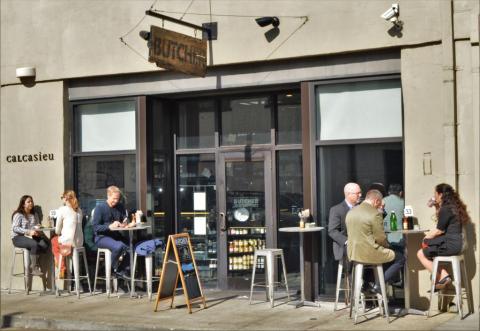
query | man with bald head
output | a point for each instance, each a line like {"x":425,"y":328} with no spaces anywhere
{"x":336,"y":220}
{"x":367,"y":241}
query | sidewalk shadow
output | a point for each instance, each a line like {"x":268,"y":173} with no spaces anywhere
{"x":7,"y":319}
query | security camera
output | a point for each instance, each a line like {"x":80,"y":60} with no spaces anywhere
{"x":391,"y":14}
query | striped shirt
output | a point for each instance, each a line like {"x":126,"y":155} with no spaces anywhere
{"x":21,"y":224}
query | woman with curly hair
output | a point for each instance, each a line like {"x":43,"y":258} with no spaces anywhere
{"x":446,"y":239}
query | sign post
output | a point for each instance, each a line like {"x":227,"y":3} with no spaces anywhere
{"x":176,"y":51}
{"x":179,"y":262}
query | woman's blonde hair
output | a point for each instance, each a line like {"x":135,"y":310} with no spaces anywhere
{"x":71,"y":198}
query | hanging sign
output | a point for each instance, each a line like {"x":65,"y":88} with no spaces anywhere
{"x":179,"y":52}
{"x":179,"y":263}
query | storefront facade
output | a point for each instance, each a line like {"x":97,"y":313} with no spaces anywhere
{"x":234,"y":156}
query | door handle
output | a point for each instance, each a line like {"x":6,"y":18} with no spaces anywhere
{"x":223,"y":225}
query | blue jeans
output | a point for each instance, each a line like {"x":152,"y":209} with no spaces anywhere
{"x":117,"y":248}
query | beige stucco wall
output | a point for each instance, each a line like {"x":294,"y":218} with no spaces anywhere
{"x":426,"y":126}
{"x":66,"y":38}
{"x":31,"y":122}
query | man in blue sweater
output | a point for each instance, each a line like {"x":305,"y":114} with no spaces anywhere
{"x":107,"y":216}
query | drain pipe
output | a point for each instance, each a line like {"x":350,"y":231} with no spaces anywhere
{"x":449,"y":95}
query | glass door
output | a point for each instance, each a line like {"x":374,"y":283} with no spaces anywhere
{"x":245,"y":216}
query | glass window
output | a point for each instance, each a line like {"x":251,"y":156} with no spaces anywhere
{"x":196,"y":124}
{"x":95,"y":173}
{"x":197,"y":210}
{"x":290,"y":202}
{"x":339,"y":164}
{"x":289,"y":120}
{"x":105,"y":126}
{"x":246,"y":121}
{"x":359,"y":110}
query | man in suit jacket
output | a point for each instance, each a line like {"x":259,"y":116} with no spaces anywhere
{"x":367,"y":241}
{"x":336,"y":220}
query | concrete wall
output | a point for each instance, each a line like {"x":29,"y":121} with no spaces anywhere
{"x":31,"y":123}
{"x":65,"y":38}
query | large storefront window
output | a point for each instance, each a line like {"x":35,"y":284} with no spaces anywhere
{"x":100,"y":129}
{"x":289,"y":121}
{"x":359,"y":139}
{"x":106,"y":126}
{"x":95,"y":173}
{"x":196,"y":210}
{"x":246,"y":121}
{"x":196,"y":121}
{"x":290,"y":203}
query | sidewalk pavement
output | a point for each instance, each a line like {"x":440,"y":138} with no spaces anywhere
{"x":226,"y":310}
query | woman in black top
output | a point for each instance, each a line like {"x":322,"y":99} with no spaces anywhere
{"x":446,"y":239}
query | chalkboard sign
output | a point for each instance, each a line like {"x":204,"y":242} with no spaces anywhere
{"x":179,"y":262}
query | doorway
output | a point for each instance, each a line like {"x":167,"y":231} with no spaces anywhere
{"x":245,"y":214}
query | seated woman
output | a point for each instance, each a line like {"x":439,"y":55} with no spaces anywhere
{"x":68,"y":227}
{"x":25,"y":234}
{"x":446,"y":239}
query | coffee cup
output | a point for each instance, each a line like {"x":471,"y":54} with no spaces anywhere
{"x":138,"y":216}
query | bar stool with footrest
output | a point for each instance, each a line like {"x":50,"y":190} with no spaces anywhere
{"x":347,"y":288}
{"x":357,"y":287}
{"x":148,"y":272}
{"x":26,"y":269}
{"x":75,"y":258}
{"x":269,"y":255}
{"x":108,"y":271}
{"x":458,"y":273}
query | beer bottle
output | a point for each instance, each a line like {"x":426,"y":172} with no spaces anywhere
{"x":393,"y":221}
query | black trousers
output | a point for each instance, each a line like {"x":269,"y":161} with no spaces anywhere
{"x":36,"y":245}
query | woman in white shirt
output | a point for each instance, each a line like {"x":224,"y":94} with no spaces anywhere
{"x":68,"y":227}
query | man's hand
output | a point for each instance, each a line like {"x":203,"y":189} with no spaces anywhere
{"x":115,"y":224}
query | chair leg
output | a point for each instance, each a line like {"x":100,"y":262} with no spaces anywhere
{"x":358,"y":286}
{"x":285,"y":275}
{"x":108,"y":272}
{"x":76,"y":271}
{"x":28,"y":276}
{"x":96,"y":273}
{"x":432,"y":287}
{"x":148,"y":274}
{"x":85,"y":264}
{"x":255,"y":256}
{"x":339,"y":281}
{"x":381,"y":279}
{"x":270,"y":278}
{"x":457,"y":282}
{"x":352,"y":292}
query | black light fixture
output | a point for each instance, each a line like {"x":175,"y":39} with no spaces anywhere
{"x":267,"y":20}
{"x":144,"y":34}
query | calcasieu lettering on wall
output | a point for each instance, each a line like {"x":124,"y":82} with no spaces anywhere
{"x":38,"y":157}
{"x":179,"y":52}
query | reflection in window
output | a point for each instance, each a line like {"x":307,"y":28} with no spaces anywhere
{"x":340,"y":164}
{"x":95,"y":173}
{"x":106,"y":126}
{"x":289,"y":121}
{"x":359,"y":110}
{"x":290,"y":202}
{"x":196,"y":124}
{"x":197,"y":210}
{"x":246,"y":121}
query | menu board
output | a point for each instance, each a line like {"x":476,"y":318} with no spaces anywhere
{"x":180,"y":263}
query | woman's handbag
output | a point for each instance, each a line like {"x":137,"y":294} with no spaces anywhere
{"x":65,"y":249}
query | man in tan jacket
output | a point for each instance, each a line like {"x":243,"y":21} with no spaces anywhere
{"x":367,"y":242}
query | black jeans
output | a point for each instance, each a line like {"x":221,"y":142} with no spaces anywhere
{"x":36,"y":245}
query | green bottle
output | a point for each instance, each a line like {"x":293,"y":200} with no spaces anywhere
{"x":393,"y":221}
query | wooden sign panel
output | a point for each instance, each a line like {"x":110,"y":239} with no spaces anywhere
{"x":179,"y":52}
{"x":179,"y":263}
